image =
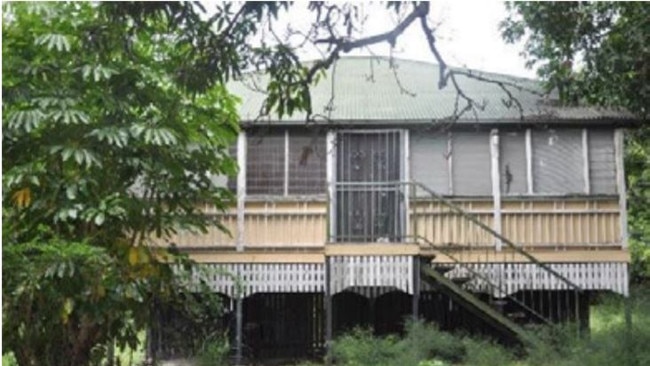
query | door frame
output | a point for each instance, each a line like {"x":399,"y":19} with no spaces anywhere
{"x":331,"y":169}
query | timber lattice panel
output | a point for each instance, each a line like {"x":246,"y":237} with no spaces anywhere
{"x":353,"y":272}
{"x":514,"y":277}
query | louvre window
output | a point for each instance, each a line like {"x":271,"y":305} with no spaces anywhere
{"x":512,"y":162}
{"x":307,"y":161}
{"x":602,"y":167}
{"x":429,"y":160}
{"x":269,"y":171}
{"x":557,"y":161}
{"x":471,"y":164}
{"x":265,"y":163}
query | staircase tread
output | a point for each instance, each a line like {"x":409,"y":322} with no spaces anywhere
{"x":484,"y":309}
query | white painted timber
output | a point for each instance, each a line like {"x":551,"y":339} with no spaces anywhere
{"x":513,"y":277}
{"x":241,"y":189}
{"x":357,"y":272}
{"x":245,"y":279}
{"x":331,"y":179}
{"x":529,"y":160}
{"x":496,"y":184}
{"x":450,"y":163}
{"x":619,"y":151}
{"x":406,"y":177}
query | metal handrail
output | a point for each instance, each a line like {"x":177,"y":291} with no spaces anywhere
{"x":496,"y":235}
{"x":500,"y":289}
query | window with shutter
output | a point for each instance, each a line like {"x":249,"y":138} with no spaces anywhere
{"x":512,"y":162}
{"x":557,"y":161}
{"x":429,"y":160}
{"x":307,"y":162}
{"x":471,"y":163}
{"x":265,"y":163}
{"x":602,"y":166}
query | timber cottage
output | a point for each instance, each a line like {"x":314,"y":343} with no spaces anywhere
{"x":387,"y":209}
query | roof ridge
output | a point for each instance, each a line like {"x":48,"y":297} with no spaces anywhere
{"x":427,"y":63}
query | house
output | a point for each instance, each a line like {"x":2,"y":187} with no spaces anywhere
{"x":386,"y":207}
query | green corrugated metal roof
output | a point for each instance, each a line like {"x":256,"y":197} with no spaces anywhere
{"x":367,"y":90}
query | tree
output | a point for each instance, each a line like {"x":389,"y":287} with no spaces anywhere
{"x":598,"y":53}
{"x":106,"y":143}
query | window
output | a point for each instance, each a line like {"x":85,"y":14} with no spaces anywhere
{"x":286,"y":162}
{"x":430,"y":159}
{"x":471,"y":163}
{"x":602,"y":167}
{"x":307,"y":163}
{"x":557,"y":161}
{"x":265,"y":163}
{"x":512,"y":162}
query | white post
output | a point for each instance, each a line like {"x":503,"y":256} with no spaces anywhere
{"x":331,"y":179}
{"x":450,"y":163}
{"x":585,"y":160}
{"x":529,"y":160}
{"x":406,"y":171}
{"x":619,"y":150}
{"x":496,"y":183}
{"x":241,"y":189}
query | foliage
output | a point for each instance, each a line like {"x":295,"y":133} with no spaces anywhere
{"x":485,"y":353}
{"x":597,"y":53}
{"x":423,"y":344}
{"x":594,"y":52}
{"x":65,"y":301}
{"x":105,"y":146}
{"x":8,"y":359}
{"x":214,"y":352}
{"x":359,"y":348}
{"x":637,"y":167}
{"x":610,"y":342}
{"x":425,"y":341}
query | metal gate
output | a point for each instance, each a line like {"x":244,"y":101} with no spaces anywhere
{"x":369,"y":190}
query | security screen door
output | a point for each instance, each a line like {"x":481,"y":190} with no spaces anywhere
{"x":369,"y":190}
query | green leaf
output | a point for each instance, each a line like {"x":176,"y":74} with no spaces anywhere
{"x":54,"y":41}
{"x":99,"y":219}
{"x":71,"y":192}
{"x":25,"y":120}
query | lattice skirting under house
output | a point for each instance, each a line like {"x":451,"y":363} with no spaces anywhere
{"x":244,"y":279}
{"x":513,"y":277}
{"x":369,"y":274}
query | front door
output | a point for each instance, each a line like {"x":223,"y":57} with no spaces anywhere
{"x":369,"y":190}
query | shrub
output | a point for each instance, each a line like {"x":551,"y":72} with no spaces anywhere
{"x":360,"y":348}
{"x":486,"y":353}
{"x":214,"y":351}
{"x":425,"y":341}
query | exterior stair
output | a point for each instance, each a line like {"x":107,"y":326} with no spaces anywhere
{"x":505,"y":312}
{"x":476,"y":306}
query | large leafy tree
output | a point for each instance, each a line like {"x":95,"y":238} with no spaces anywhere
{"x":598,"y":53}
{"x":108,"y":141}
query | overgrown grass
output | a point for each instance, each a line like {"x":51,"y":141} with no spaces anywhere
{"x":611,"y":342}
{"x":423,"y":345}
